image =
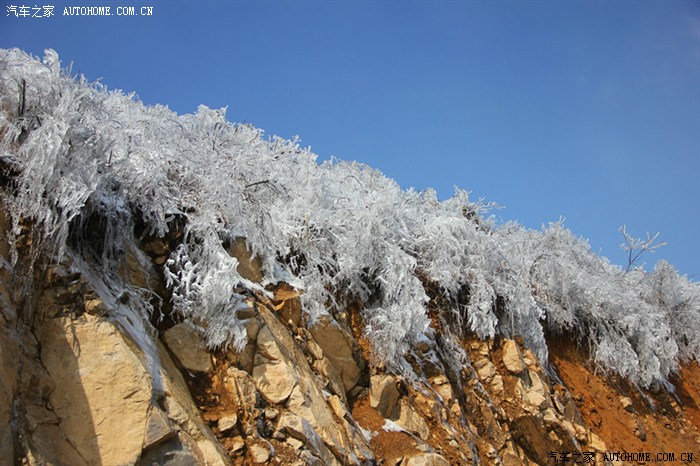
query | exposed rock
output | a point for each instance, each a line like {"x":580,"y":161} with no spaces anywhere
{"x":155,"y":247}
{"x":425,"y":459}
{"x":136,"y":268}
{"x":626,"y":403}
{"x":327,"y":370}
{"x":103,"y":399}
{"x":226,"y":423}
{"x":443,"y":387}
{"x":249,"y":266}
{"x":536,"y":399}
{"x":241,"y":388}
{"x":314,"y":350}
{"x":497,"y":384}
{"x":237,"y":443}
{"x":273,"y":375}
{"x":193,"y":434}
{"x":531,"y":434}
{"x":537,"y":384}
{"x":294,"y":443}
{"x":246,"y":357}
{"x":383,"y":394}
{"x":188,"y":346}
{"x":411,"y":420}
{"x":49,"y":445}
{"x":245,"y":311}
{"x":485,"y":369}
{"x":288,"y":303}
{"x":9,"y":350}
{"x":509,"y":456}
{"x":259,"y":454}
{"x":512,"y":358}
{"x":307,"y":401}
{"x":87,"y":393}
{"x":336,"y":344}
{"x":595,"y":443}
{"x":94,"y":306}
{"x":158,"y":428}
{"x":300,"y":429}
{"x":550,"y":417}
{"x":275,"y":380}
{"x":177,"y":451}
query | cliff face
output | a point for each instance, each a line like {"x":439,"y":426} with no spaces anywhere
{"x":179,"y":290}
{"x":81,"y":385}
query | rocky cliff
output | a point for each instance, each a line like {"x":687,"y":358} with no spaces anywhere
{"x":148,"y":315}
{"x":79,"y":388}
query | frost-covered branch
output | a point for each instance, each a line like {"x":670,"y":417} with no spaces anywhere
{"x":336,"y":229}
{"x":635,"y":247}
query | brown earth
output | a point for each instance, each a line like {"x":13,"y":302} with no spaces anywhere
{"x":385,"y":445}
{"x":655,"y":422}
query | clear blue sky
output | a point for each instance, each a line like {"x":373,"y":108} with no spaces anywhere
{"x":588,"y":110}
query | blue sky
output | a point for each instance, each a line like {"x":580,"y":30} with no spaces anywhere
{"x":586,"y":110}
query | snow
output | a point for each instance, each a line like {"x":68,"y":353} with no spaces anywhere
{"x":335,"y":228}
{"x":391,"y":426}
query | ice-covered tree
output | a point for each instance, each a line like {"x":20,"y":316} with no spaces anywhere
{"x":75,"y":156}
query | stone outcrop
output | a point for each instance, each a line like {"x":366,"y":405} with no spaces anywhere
{"x":88,"y":380}
{"x":249,"y":265}
{"x":188,"y":347}
{"x":337,"y":345}
{"x":97,"y":397}
{"x":383,"y":394}
{"x":512,"y":358}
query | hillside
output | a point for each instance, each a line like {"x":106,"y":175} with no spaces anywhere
{"x":205,"y":294}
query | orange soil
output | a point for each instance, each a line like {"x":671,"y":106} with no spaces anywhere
{"x":656,"y":427}
{"x":688,"y":390}
{"x":385,"y":445}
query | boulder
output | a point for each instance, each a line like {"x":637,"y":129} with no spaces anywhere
{"x":626,"y":403}
{"x":177,"y":451}
{"x":188,"y":346}
{"x":336,"y":344}
{"x":412,"y":420}
{"x":226,"y":423}
{"x":443,"y":387}
{"x":103,"y":391}
{"x":512,"y":358}
{"x":273,"y":374}
{"x":300,"y":429}
{"x":327,"y":370}
{"x":383,"y":394}
{"x":259,"y":454}
{"x":158,"y":428}
{"x":485,"y":369}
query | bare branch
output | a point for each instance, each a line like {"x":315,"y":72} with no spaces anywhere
{"x":635,"y":247}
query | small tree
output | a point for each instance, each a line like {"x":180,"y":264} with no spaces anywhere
{"x":635,"y":247}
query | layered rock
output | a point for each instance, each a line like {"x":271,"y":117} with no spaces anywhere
{"x":88,"y":380}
